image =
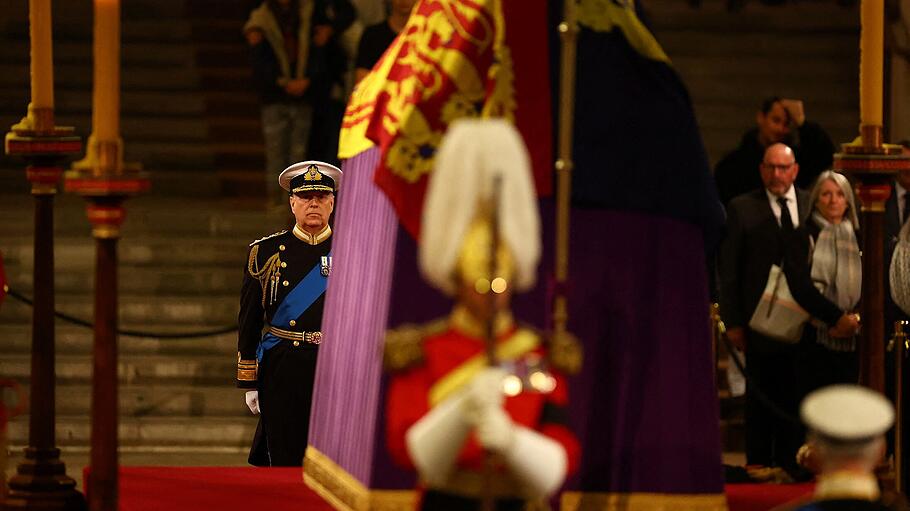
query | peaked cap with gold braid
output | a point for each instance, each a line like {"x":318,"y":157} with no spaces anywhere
{"x":310,"y":176}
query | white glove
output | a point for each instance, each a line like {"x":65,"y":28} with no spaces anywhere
{"x":252,"y":400}
{"x":494,"y":429}
{"x":485,"y":389}
{"x":537,"y":460}
{"x":436,"y":439}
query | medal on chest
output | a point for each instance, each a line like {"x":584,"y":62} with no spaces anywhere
{"x":325,"y":266}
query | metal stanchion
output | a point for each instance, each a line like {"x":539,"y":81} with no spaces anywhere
{"x":899,"y":347}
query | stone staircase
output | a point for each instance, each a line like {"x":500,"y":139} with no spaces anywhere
{"x":189,"y":116}
{"x":188,"y":112}
{"x":180,"y":269}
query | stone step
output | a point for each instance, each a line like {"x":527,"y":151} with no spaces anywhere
{"x":145,"y":78}
{"x":69,"y":101}
{"x":150,"y":431}
{"x":77,"y":340}
{"x":183,"y":143}
{"x":222,"y":54}
{"x":146,"y":216}
{"x":794,"y":17}
{"x":147,"y":128}
{"x":164,"y":183}
{"x":187,"y":370}
{"x":246,"y":105}
{"x":206,"y":10}
{"x":213,"y":311}
{"x":687,"y":42}
{"x":213,"y":29}
{"x":73,"y":11}
{"x":228,"y":78}
{"x":186,"y":280}
{"x":768,"y":68}
{"x":77,"y":26}
{"x":74,"y":254}
{"x":146,"y":401}
{"x":139,"y":53}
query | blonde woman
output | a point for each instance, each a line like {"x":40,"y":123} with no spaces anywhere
{"x":824,"y":271}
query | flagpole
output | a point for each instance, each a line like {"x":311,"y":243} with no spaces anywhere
{"x":487,"y":502}
{"x":568,"y":30}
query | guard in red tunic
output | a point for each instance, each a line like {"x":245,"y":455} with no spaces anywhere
{"x":283,"y":294}
{"x":447,"y":407}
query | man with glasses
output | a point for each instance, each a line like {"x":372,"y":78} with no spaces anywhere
{"x":757,"y":223}
{"x":778,"y":120}
{"x":283,"y":293}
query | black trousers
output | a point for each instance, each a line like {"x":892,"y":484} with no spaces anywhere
{"x":772,"y":440}
{"x":286,"y":375}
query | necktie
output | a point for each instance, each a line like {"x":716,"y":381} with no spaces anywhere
{"x":906,"y":207}
{"x":786,"y":223}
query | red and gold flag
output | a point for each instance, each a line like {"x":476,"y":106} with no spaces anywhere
{"x":450,"y":61}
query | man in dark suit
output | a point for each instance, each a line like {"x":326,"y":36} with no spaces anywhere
{"x":757,"y":223}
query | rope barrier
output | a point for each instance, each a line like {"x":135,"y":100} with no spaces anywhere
{"x":754,"y":389}
{"x":128,"y":333}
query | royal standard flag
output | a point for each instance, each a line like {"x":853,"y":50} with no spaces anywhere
{"x":452,"y":60}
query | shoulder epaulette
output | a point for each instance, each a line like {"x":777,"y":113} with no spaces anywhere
{"x":279,"y":233}
{"x":565,"y":353}
{"x":404,"y":344}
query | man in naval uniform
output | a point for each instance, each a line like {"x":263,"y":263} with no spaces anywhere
{"x":283,"y":295}
{"x":847,"y":426}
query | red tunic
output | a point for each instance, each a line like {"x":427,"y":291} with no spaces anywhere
{"x":408,"y":399}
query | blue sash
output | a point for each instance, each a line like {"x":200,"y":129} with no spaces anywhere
{"x":307,"y":291}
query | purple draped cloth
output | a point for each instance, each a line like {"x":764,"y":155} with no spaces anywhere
{"x":644,"y":406}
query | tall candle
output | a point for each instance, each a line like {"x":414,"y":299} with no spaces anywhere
{"x":106,"y":94}
{"x":39,"y":15}
{"x":871,"y":63}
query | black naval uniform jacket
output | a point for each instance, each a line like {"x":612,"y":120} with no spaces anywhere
{"x":284,"y":375}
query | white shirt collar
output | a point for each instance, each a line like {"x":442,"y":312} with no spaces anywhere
{"x":790,"y":195}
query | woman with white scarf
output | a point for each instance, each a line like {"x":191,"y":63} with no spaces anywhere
{"x":824,"y":272}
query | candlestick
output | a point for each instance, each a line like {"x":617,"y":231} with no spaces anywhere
{"x":106,"y":94}
{"x":871,"y":49}
{"x":39,"y":15}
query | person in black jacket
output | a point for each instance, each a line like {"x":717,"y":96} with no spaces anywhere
{"x":283,"y":292}
{"x":756,"y":225}
{"x":777,"y":121}
{"x":298,"y":66}
{"x":824,"y":272}
{"x":377,"y":38}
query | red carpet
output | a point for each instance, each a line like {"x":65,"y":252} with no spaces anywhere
{"x":221,"y":488}
{"x":279,"y":489}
